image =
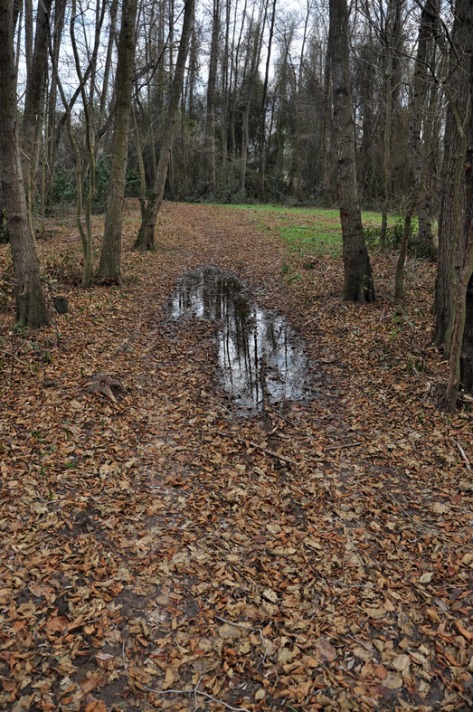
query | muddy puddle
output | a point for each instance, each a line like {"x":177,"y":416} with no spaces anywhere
{"x":261,"y":357}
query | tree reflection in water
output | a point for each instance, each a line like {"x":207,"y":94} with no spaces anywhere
{"x":261,"y":357}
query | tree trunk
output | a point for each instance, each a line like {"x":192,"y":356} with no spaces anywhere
{"x":391,"y":41}
{"x":110,"y":258}
{"x":34,"y":105}
{"x":30,"y":303}
{"x":55,"y":40}
{"x":145,"y":239}
{"x":461,"y":352}
{"x":358,"y":275}
{"x":461,"y":342}
{"x":252,"y":60}
{"x":452,"y":198}
{"x":262,"y":137}
{"x":420,"y":146}
{"x":211,"y":102}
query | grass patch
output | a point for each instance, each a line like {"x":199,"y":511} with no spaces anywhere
{"x":313,"y":240}
{"x":315,"y":231}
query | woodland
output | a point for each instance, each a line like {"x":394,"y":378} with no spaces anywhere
{"x":162,"y":546}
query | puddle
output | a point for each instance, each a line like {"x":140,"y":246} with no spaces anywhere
{"x":261,"y":357}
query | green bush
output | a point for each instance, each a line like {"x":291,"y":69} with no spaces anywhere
{"x":394,"y":232}
{"x":102,"y":179}
{"x":63,"y":188}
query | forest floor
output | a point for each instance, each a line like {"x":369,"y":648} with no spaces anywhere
{"x":162,"y":552}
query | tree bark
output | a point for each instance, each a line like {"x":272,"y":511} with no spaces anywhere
{"x":145,"y":239}
{"x":211,"y":101}
{"x":461,"y":342}
{"x":421,"y":123}
{"x":110,"y":258}
{"x":461,"y":352}
{"x":30,"y":303}
{"x":358,"y":285}
{"x":452,"y":196}
{"x":420,"y":146}
{"x":34,"y":105}
{"x":391,"y":42}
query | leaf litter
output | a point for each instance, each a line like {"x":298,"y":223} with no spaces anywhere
{"x":160,"y":552}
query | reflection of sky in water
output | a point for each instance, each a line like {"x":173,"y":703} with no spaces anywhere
{"x":260,"y":356}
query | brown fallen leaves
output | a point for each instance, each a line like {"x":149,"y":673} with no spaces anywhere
{"x":159,"y":553}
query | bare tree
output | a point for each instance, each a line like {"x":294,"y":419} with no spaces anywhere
{"x":110,"y":258}
{"x":30,"y":303}
{"x":33,"y":115}
{"x":452,"y":195}
{"x":460,"y":335}
{"x":145,"y":239}
{"x":358,"y":275}
{"x":420,"y":135}
{"x":211,"y":98}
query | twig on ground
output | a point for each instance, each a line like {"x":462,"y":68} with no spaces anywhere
{"x":237,"y":625}
{"x":194,"y":691}
{"x":463,"y":455}
{"x":250,"y":443}
{"x":342,"y":447}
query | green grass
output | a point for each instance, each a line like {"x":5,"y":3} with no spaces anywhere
{"x":309,"y":231}
{"x":313,"y":240}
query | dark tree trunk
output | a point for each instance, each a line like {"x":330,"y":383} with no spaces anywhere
{"x":452,"y":205}
{"x":466,"y":359}
{"x":30,"y":303}
{"x":211,"y":100}
{"x":110,"y":258}
{"x":358,"y":275}
{"x":34,"y":104}
{"x":460,"y":343}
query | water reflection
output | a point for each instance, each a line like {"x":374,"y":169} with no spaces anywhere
{"x":261,"y":357}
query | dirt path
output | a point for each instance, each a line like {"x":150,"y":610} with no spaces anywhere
{"x":161,"y":553}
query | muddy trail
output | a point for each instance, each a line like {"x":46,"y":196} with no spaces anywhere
{"x":167,"y":547}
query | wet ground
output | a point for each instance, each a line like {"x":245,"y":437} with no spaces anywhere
{"x":261,"y":357}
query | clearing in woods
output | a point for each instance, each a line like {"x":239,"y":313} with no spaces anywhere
{"x":162,"y":553}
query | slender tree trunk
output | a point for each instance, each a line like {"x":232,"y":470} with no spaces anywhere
{"x":55,"y":38}
{"x":85,"y":161}
{"x":391,"y":42}
{"x":255,"y":34}
{"x":34,"y":105}
{"x":421,"y":123}
{"x":30,"y":303}
{"x":420,"y":147}
{"x":358,"y":275}
{"x":262,"y":141}
{"x":110,"y":258}
{"x":225,"y":87}
{"x":327,"y":135}
{"x":211,"y":101}
{"x":145,"y":239}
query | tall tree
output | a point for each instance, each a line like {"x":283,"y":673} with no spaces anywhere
{"x":420,"y":141}
{"x":461,"y":340}
{"x":30,"y":303}
{"x":110,"y":258}
{"x":452,"y":190}
{"x":211,"y":99}
{"x":358,"y":285}
{"x":145,"y":239}
{"x":390,"y":34}
{"x":33,"y":114}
